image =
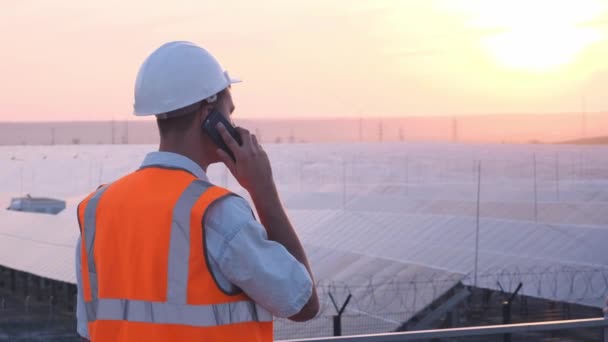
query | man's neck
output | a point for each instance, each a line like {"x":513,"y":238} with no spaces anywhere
{"x":186,"y":151}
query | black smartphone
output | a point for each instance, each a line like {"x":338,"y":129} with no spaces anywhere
{"x":210,"y":127}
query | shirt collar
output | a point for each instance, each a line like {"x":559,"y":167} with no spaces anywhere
{"x":174,"y":160}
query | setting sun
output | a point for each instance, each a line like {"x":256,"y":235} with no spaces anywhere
{"x":316,"y":58}
{"x":540,"y":49}
{"x":538,"y":35}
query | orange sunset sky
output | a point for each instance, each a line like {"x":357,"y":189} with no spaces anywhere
{"x":77,"y":60}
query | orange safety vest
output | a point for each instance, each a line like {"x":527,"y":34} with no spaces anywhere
{"x":145,"y":272}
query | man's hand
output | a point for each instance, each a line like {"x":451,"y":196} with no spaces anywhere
{"x":252,"y":170}
{"x":252,"y":167}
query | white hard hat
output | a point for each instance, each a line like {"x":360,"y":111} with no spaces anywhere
{"x":177,"y":75}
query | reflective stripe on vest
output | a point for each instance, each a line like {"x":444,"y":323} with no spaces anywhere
{"x":175,"y":310}
{"x":169,"y":313}
{"x":89,"y":234}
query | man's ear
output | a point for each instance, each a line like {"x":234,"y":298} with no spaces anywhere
{"x":203,"y":113}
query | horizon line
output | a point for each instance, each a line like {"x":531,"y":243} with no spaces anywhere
{"x":332,"y":118}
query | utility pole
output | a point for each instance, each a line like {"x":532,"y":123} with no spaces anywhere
{"x":557,"y":175}
{"x":127,"y":131}
{"x":343,"y":184}
{"x":407,"y":175}
{"x":477,"y":221}
{"x":292,"y":138}
{"x":112,"y":130}
{"x":584,"y":117}
{"x":535,"y":191}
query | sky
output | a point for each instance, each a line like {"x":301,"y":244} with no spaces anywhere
{"x":77,"y":60}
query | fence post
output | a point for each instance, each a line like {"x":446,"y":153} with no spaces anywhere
{"x":606,"y":317}
{"x":506,"y":311}
{"x":338,"y":318}
{"x":337,"y":325}
{"x":506,"y":319}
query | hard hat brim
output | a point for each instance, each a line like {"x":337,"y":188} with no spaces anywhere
{"x":233,"y":80}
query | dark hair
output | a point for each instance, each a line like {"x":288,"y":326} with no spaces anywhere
{"x":176,"y":123}
{"x":181,"y":119}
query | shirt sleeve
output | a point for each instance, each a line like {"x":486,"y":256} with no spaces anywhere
{"x":81,"y":319}
{"x":262,"y":268}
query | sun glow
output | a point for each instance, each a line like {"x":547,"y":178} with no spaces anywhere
{"x":539,"y":35}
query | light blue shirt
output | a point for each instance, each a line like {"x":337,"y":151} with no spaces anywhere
{"x":240,"y":254}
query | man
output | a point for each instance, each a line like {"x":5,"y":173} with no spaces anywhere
{"x":165,"y":255}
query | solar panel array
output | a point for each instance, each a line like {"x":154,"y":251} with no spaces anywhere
{"x":378,"y":221}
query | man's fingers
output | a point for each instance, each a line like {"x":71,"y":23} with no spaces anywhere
{"x":227,"y":160}
{"x":256,"y":144}
{"x":228,"y":139}
{"x":242,"y":131}
{"x":247,"y":145}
